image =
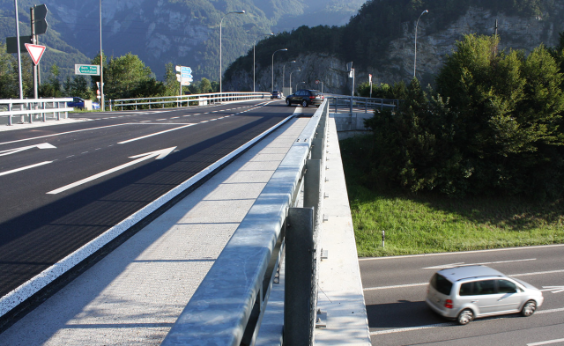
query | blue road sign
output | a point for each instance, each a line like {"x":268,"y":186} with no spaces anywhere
{"x":186,"y":70}
{"x":186,"y":75}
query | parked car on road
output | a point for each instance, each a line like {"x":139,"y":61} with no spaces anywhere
{"x":276,"y":95}
{"x":305,"y":98}
{"x":77,"y":102}
{"x":468,"y":292}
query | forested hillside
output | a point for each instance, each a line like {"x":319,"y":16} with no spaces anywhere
{"x":379,"y":39}
{"x":182,"y":32}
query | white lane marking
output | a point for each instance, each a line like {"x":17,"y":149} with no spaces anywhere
{"x":458,"y":253}
{"x":174,"y":118}
{"x":155,"y":134}
{"x":62,"y":133}
{"x":158,"y":154}
{"x":24,"y":168}
{"x":547,"y":342}
{"x":553,"y":289}
{"x":17,"y":150}
{"x":377,"y":288}
{"x":400,"y":330}
{"x":446,"y":324}
{"x":452,"y":265}
{"x":539,"y":273}
{"x":160,"y":120}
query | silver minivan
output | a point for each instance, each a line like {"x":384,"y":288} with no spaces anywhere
{"x":467,"y":292}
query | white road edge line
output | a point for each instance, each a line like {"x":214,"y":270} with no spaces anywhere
{"x":438,"y":325}
{"x":458,"y":253}
{"x":24,"y":168}
{"x":38,"y":282}
{"x":452,"y":265}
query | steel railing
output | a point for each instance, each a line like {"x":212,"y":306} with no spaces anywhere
{"x":184,"y":100}
{"x":30,"y":110}
{"x":228,"y":306}
{"x":360,"y":104}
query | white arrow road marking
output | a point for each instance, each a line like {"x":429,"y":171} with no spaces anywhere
{"x":24,"y":168}
{"x":158,"y":154}
{"x":553,"y":289}
{"x":17,"y":150}
{"x":452,"y":265}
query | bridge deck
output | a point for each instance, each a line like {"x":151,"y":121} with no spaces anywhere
{"x":135,"y":294}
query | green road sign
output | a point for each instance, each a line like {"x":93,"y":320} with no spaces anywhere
{"x":90,"y":70}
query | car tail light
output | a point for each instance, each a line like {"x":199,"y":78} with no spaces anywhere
{"x":311,"y":97}
{"x":448,"y":304}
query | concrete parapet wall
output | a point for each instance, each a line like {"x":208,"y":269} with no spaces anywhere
{"x":349,"y":125}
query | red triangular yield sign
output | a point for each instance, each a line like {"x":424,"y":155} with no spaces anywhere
{"x":35,"y":51}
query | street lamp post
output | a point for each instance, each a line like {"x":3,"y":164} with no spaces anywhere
{"x":299,"y":69}
{"x":415,"y":58}
{"x":220,"y":62}
{"x":279,"y":50}
{"x":102,"y":105}
{"x":254,"y":59}
{"x":284,"y":74}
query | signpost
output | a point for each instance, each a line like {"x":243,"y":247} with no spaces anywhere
{"x":35,"y":51}
{"x":88,"y":70}
{"x":184,"y":76}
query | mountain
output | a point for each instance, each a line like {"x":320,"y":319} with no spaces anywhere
{"x":184,"y":32}
{"x":379,"y":40}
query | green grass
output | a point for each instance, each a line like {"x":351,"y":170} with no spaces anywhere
{"x":428,"y":223}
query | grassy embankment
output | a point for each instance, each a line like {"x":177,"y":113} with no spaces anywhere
{"x":428,"y":223}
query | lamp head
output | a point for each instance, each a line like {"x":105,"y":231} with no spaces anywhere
{"x":426,"y":11}
{"x":284,"y":49}
{"x":239,"y":12}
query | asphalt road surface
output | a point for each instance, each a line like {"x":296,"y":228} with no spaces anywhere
{"x":395,"y":289}
{"x":64,"y":185}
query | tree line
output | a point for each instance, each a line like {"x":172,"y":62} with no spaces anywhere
{"x":124,"y":77}
{"x":493,"y":125}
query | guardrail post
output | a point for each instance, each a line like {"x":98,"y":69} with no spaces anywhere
{"x":10,"y":115}
{"x":351,"y":104}
{"x":43,"y":106}
{"x":312,"y":184}
{"x":298,"y":302}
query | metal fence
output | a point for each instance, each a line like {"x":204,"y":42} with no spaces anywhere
{"x":360,"y":104}
{"x":31,"y":110}
{"x":184,"y":100}
{"x":229,"y":305}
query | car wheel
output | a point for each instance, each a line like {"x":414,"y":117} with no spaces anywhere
{"x":529,"y":308}
{"x":464,"y":317}
{"x":288,"y":103}
{"x":304,"y":103}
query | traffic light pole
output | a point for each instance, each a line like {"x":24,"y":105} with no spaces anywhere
{"x":19,"y":49}
{"x":34,"y":41}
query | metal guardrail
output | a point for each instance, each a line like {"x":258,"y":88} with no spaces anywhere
{"x":350,"y":104}
{"x":185,"y":100}
{"x":228,"y":306}
{"x":30,"y":110}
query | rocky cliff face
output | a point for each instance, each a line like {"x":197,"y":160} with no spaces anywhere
{"x":515,"y":32}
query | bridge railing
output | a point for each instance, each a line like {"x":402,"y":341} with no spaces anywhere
{"x":341,"y":103}
{"x":229,"y":305}
{"x":184,"y":100}
{"x":31,"y":110}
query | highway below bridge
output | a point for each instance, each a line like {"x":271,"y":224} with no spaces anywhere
{"x":64,"y":185}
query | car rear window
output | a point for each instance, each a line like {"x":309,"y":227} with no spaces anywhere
{"x":314,"y":92}
{"x":441,"y":284}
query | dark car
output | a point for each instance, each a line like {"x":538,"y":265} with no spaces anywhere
{"x":305,"y":98}
{"x":77,"y":102}
{"x":276,"y":95}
